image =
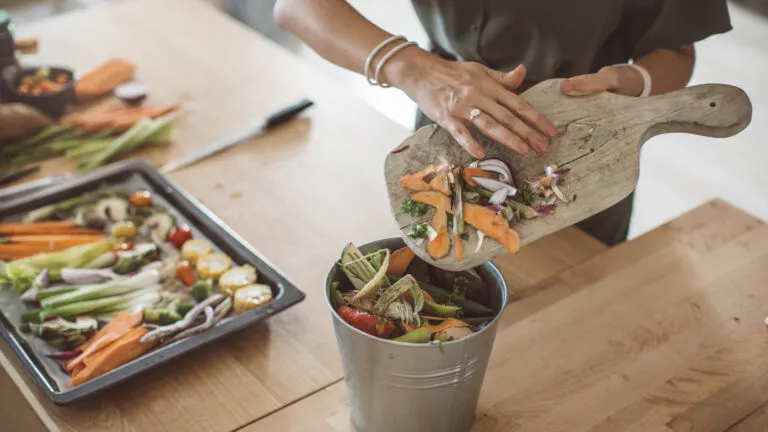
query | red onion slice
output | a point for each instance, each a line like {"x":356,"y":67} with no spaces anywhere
{"x":494,"y":207}
{"x":65,"y":355}
{"x":546,"y":209}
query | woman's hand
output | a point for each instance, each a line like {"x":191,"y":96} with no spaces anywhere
{"x":448,"y":93}
{"x":617,"y":79}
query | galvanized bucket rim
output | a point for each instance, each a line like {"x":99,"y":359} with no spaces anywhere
{"x":491,"y":267}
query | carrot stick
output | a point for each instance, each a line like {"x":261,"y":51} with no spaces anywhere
{"x":121,"y":323}
{"x":115,"y":355}
{"x":98,"y":345}
{"x":55,"y":238}
{"x":49,"y":224}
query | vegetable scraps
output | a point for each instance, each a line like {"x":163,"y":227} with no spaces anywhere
{"x":483,"y":195}
{"x":119,"y":262}
{"x":383,"y":298}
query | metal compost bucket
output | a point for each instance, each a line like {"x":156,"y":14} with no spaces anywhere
{"x":398,"y":387}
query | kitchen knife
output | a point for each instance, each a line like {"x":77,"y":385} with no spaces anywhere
{"x":275,"y":119}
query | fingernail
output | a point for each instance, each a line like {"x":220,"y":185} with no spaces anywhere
{"x":566,"y":86}
{"x":541,"y":145}
{"x":551,"y":130}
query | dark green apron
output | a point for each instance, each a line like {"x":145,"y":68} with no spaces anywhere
{"x":560,"y":39}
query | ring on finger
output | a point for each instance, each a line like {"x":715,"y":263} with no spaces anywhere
{"x":474,"y":113}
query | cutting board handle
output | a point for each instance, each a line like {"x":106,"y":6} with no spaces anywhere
{"x":713,"y":110}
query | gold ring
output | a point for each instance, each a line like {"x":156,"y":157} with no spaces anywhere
{"x":474,"y":113}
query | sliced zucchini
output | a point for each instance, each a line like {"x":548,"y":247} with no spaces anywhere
{"x":160,"y":223}
{"x":114,"y":209}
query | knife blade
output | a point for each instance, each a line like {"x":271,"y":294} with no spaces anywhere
{"x":273,"y":120}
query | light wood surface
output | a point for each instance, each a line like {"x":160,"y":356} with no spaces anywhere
{"x":599,"y":139}
{"x":664,"y":333}
{"x":295,"y":194}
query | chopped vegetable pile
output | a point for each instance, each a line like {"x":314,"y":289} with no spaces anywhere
{"x":121,"y":262}
{"x":42,"y":82}
{"x":397,"y":296}
{"x":483,"y":195}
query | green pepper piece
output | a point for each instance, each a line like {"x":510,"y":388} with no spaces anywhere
{"x":439,"y":310}
{"x":420,"y":335}
{"x":337,"y":298}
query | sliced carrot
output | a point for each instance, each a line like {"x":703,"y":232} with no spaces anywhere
{"x":448,"y":323}
{"x":53,"y":227}
{"x":440,"y":183}
{"x":486,"y":220}
{"x":434,"y":199}
{"x":439,"y":246}
{"x":79,"y":368}
{"x":115,"y":355}
{"x":399,"y":261}
{"x":100,"y":343}
{"x":416,"y":181}
{"x":470,"y":172}
{"x":55,"y":238}
{"x":121,"y":323}
{"x":459,"y":247}
{"x":493,"y":225}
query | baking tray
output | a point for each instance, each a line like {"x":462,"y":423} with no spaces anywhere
{"x":31,"y":351}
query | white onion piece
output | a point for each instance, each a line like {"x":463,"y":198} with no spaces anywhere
{"x":480,"y":238}
{"x":495,"y":185}
{"x":549,"y":171}
{"x":499,"y":197}
{"x":431,"y":233}
{"x":559,"y":193}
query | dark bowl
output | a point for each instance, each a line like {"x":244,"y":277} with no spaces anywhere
{"x":52,"y":104}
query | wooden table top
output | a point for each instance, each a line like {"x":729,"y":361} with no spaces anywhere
{"x":671,"y":322}
{"x":663,"y":333}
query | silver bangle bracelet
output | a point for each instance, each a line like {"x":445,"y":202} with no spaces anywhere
{"x":372,"y":55}
{"x":384,"y":60}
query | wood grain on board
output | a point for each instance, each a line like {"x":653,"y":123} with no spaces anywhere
{"x":599,"y":139}
{"x":662,"y":333}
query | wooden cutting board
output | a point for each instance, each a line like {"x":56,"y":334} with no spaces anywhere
{"x":599,"y":139}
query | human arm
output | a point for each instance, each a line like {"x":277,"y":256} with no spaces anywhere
{"x":669,"y":70}
{"x":445,"y":91}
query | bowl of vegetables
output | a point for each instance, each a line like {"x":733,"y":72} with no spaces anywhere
{"x":49,"y":89}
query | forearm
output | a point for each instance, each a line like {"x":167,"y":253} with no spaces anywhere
{"x":332,"y":28}
{"x":669,"y":69}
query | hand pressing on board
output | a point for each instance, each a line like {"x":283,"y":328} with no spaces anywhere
{"x":457,"y":94}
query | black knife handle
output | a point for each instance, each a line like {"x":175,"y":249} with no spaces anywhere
{"x":288,"y":113}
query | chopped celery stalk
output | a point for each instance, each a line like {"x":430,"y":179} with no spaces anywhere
{"x":31,"y":316}
{"x":54,"y":291}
